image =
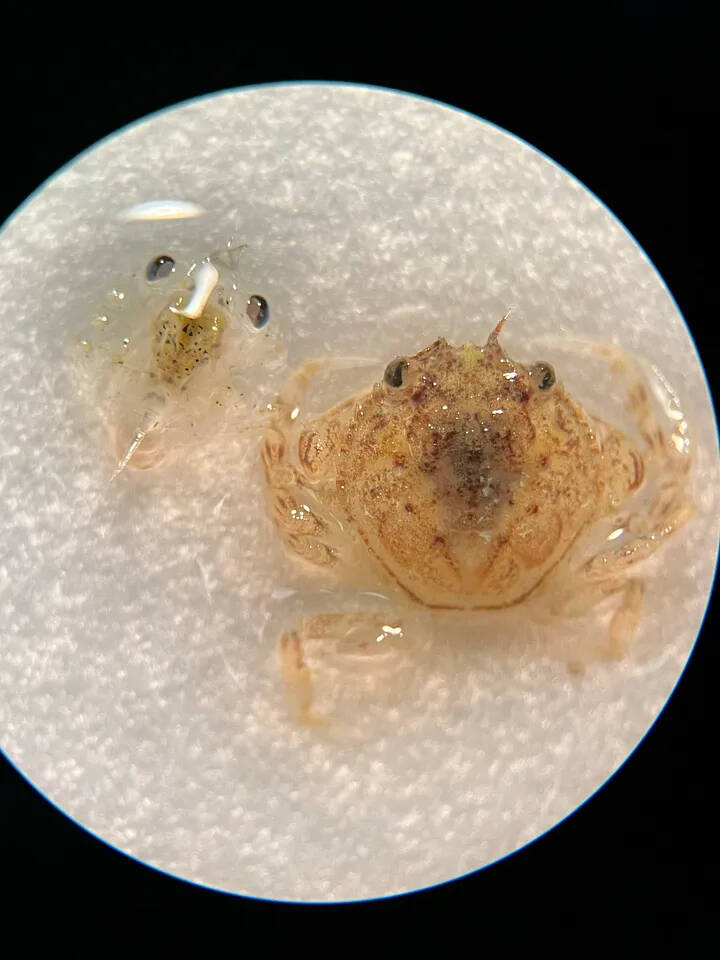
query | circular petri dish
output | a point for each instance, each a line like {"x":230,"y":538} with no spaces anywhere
{"x":141,"y":691}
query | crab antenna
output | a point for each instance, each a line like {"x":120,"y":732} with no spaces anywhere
{"x":494,"y":335}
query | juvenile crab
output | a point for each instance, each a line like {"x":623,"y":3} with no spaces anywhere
{"x":466,"y":477}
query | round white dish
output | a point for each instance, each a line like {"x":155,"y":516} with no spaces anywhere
{"x":140,"y":688}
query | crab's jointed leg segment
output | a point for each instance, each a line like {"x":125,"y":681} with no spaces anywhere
{"x":356,"y":638}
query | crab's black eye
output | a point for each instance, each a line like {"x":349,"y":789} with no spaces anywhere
{"x":160,"y":267}
{"x":544,"y":375}
{"x":393,"y":376}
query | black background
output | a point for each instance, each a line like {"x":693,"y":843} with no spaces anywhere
{"x":619,"y":94}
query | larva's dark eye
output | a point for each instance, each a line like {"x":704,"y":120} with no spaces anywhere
{"x":543,"y":374}
{"x":160,"y":267}
{"x":393,"y":376}
{"x":258,"y":311}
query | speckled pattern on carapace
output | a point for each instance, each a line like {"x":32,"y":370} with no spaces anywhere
{"x":139,"y":620}
{"x":467,"y":475}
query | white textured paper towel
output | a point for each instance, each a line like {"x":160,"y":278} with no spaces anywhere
{"x":139,"y":684}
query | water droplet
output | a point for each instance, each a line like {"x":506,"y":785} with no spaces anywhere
{"x":258,"y":311}
{"x":160,"y":267}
